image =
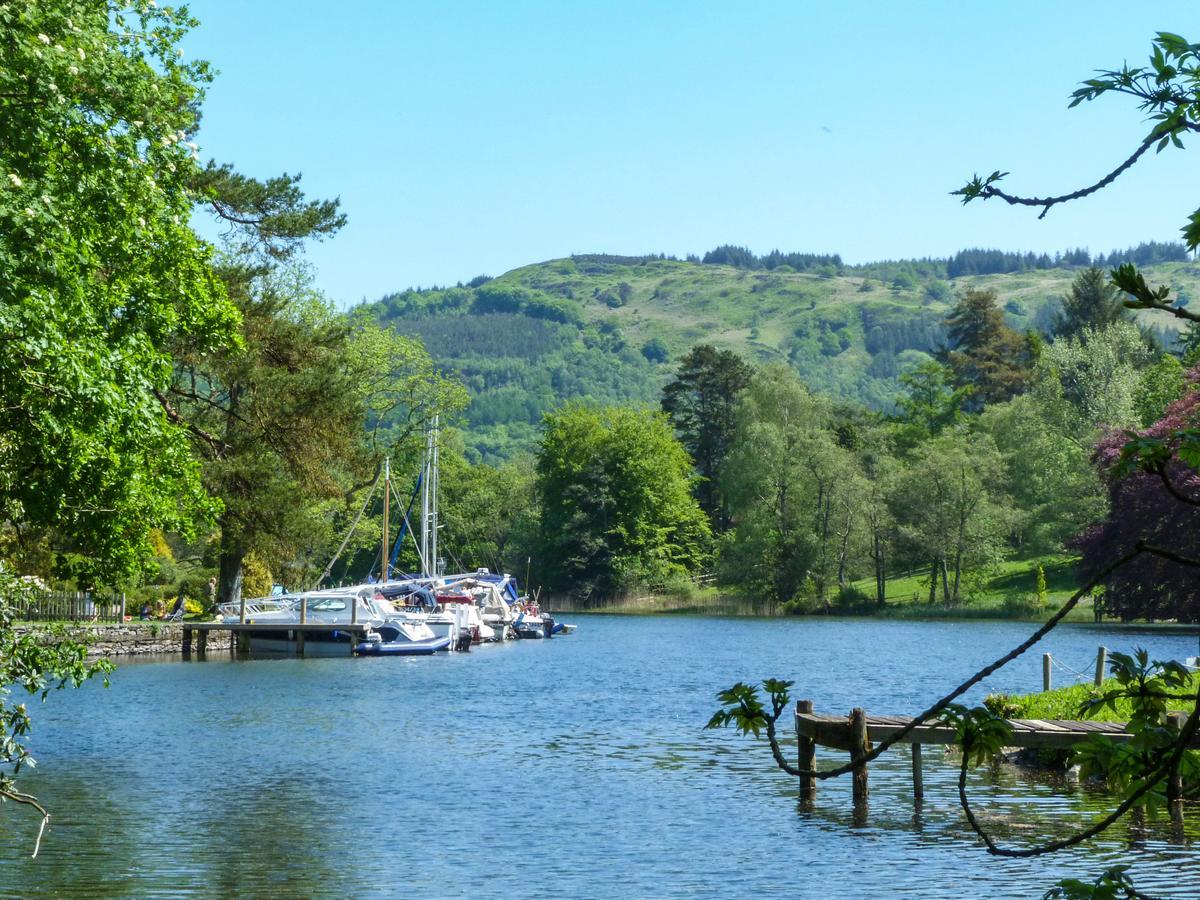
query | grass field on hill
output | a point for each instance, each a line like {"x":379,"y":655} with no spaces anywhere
{"x":607,"y":329}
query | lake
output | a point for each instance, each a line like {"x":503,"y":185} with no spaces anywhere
{"x":576,"y":767}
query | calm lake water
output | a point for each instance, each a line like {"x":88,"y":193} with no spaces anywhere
{"x":576,"y":767}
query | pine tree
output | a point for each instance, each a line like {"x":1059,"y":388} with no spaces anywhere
{"x":1093,"y":302}
{"x":700,"y":403}
{"x":985,"y":354}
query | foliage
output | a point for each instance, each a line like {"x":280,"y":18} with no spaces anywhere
{"x":1154,"y":494}
{"x":1075,"y":701}
{"x":700,"y":402}
{"x":280,"y":421}
{"x":742,"y":707}
{"x":613,"y":486}
{"x":1160,"y":385}
{"x":1111,"y":884}
{"x":1099,"y":373}
{"x":100,"y":275}
{"x":952,"y":508}
{"x":740,"y":257}
{"x":1148,"y":689}
{"x":843,"y":342}
{"x":488,"y":513}
{"x":780,"y":460}
{"x":984,"y":353}
{"x":1093,"y":302}
{"x":931,"y":402}
{"x":1055,"y":489}
{"x":655,"y":351}
{"x":256,"y":576}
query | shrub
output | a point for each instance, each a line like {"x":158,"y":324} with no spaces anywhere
{"x":851,"y":597}
{"x":1021,"y":606}
{"x":256,"y":577}
{"x":655,"y":351}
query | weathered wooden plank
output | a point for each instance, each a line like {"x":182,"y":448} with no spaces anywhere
{"x":1046,"y":725}
{"x":833,"y":731}
{"x":276,"y":626}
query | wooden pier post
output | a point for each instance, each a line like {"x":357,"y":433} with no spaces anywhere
{"x":918,"y":782}
{"x":1046,"y":671}
{"x":202,"y":643}
{"x":187,"y":642}
{"x":806,"y":753}
{"x":242,"y":615}
{"x":858,"y":749}
{"x":1175,"y":780}
{"x":300,"y":636}
{"x":1101,"y":658}
{"x":304,"y":610}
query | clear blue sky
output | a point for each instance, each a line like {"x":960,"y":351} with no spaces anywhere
{"x":475,"y":137}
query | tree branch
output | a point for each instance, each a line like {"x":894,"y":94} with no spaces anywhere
{"x":1151,"y":780}
{"x":217,"y":446}
{"x":1046,"y":203}
{"x":942,"y":704}
{"x":29,"y":800}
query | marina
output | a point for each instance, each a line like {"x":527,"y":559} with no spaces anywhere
{"x":395,"y":615}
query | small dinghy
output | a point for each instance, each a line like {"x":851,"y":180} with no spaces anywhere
{"x":401,"y":639}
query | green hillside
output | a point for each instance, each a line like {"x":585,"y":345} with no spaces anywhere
{"x":609,"y":329}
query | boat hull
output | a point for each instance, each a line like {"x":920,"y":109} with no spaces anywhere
{"x":274,"y":643}
{"x":403,"y":648}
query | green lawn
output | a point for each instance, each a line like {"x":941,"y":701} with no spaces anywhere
{"x":1065,"y":702}
{"x":1008,"y":591}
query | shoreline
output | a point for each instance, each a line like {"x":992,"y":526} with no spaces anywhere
{"x":110,"y":639}
{"x":730,"y":608}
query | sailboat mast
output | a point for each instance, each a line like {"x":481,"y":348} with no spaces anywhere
{"x":425,"y":509}
{"x":387,"y":494}
{"x":433,"y":530}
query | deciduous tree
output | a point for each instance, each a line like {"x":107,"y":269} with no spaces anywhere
{"x":100,"y":275}
{"x":614,"y":489}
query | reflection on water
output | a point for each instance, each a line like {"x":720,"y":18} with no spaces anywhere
{"x":574,"y":767}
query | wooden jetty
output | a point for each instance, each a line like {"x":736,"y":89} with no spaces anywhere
{"x":856,"y":732}
{"x":198,"y":632}
{"x":291,"y":631}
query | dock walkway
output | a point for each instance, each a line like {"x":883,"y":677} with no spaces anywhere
{"x":855,"y":732}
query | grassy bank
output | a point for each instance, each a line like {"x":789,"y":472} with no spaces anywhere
{"x":1008,"y":591}
{"x":1065,"y":703}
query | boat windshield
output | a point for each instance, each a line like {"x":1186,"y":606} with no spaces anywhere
{"x":326,"y":604}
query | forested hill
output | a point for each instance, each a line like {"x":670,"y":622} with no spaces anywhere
{"x":610,"y":328}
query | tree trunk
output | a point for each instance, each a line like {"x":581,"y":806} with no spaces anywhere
{"x":823,"y":576}
{"x":945,"y":581}
{"x":933,"y":575}
{"x":844,"y":550}
{"x":880,"y":572}
{"x":229,"y":570}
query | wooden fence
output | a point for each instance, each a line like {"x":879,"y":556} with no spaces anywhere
{"x":72,"y":606}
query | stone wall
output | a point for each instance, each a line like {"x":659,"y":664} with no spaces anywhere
{"x":135,"y":638}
